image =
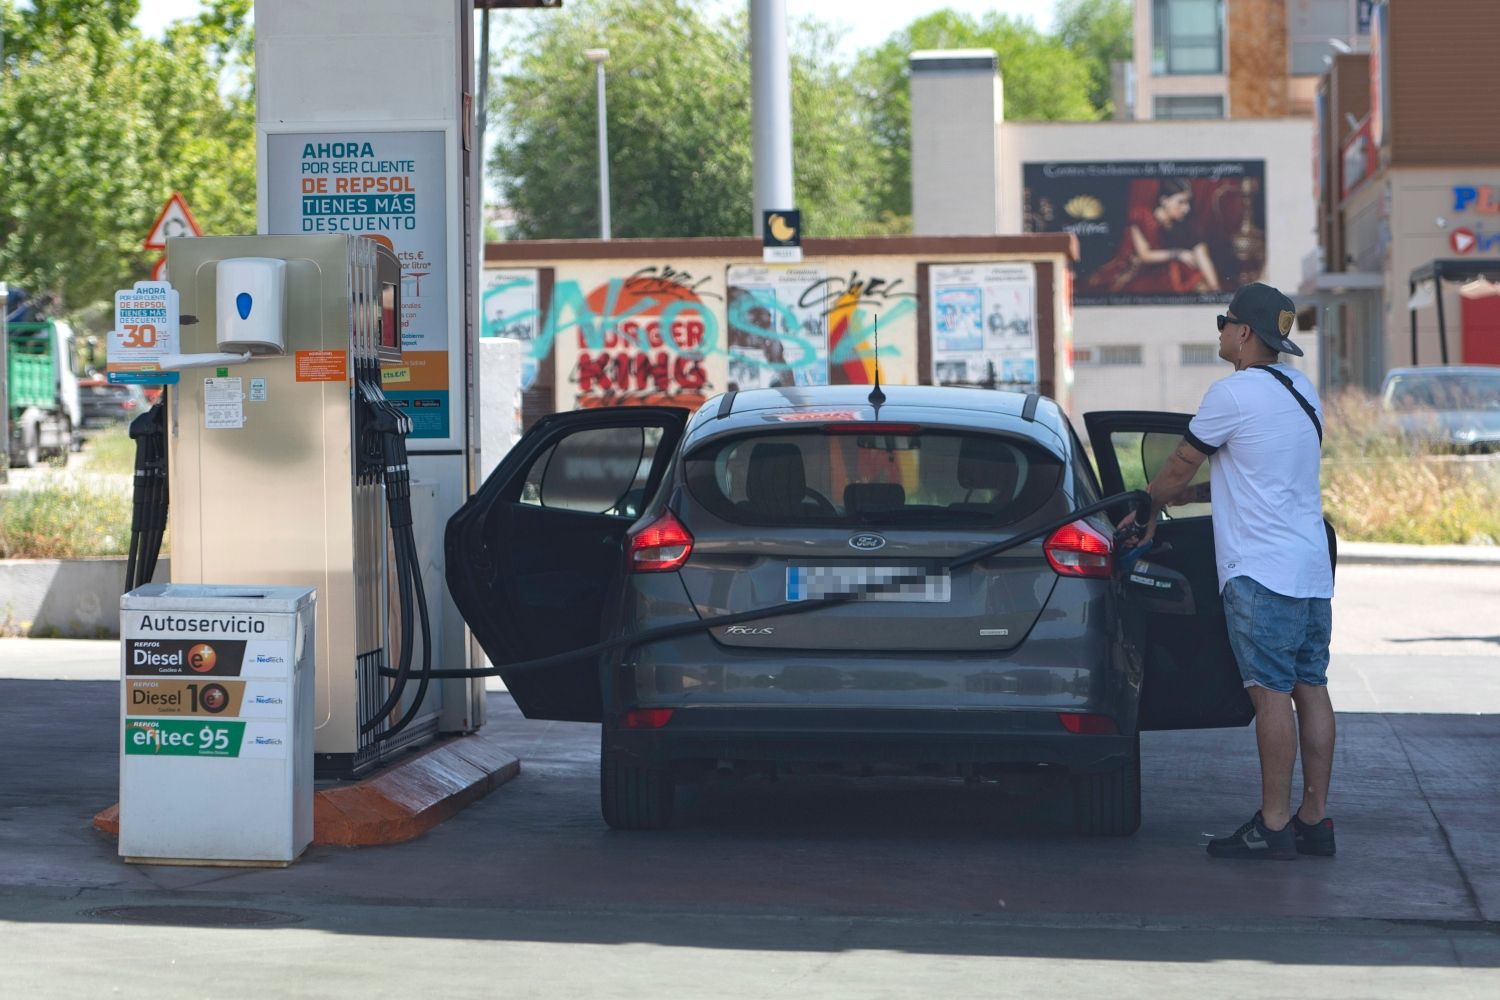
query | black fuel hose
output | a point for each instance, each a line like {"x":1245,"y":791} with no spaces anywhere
{"x":426,"y":674}
{"x":1138,"y":498}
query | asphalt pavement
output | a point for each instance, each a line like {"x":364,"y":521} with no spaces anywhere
{"x":819,"y":886}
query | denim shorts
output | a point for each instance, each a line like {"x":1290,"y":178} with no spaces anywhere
{"x":1279,"y":642}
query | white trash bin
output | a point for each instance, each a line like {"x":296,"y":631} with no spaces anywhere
{"x":216,"y":758}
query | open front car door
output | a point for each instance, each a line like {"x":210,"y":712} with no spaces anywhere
{"x":1190,"y":677}
{"x":532,"y":556}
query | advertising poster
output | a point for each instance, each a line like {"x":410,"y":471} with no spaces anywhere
{"x":983,"y":321}
{"x":390,"y":187}
{"x":1183,"y":232}
{"x":649,"y":347}
{"x":778,"y":334}
{"x":511,"y":308}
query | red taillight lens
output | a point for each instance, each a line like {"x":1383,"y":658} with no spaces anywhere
{"x":1078,"y":549}
{"x":662,"y":545}
{"x":647,"y":718}
{"x":1087,"y":724}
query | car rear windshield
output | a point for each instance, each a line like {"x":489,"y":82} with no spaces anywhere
{"x":927,"y":477}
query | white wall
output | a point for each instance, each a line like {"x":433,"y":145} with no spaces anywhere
{"x":1161,"y":382}
{"x":956,"y":100}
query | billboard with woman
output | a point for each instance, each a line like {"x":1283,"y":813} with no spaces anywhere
{"x":1154,"y":233}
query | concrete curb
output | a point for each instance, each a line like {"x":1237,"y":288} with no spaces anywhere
{"x":1386,"y":554}
{"x":402,"y":801}
{"x":65,"y":598}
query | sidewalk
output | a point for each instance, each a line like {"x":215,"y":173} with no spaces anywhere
{"x":1377,"y":553}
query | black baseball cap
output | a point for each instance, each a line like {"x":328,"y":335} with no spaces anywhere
{"x":1269,"y":313}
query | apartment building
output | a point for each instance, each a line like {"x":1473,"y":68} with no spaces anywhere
{"x":1197,"y":59}
{"x":1407,"y":166}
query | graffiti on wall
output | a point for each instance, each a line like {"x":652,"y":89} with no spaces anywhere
{"x":644,"y":338}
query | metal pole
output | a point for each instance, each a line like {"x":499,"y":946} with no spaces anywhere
{"x":770,"y":108}
{"x":484,"y":119}
{"x":1437,"y":287}
{"x":603,"y":147}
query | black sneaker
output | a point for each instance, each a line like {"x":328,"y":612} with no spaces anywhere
{"x":1254,"y":842}
{"x":1314,"y":838}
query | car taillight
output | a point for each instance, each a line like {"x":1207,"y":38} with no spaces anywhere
{"x":1077,"y":549}
{"x":1087,"y":724}
{"x":647,"y":718}
{"x":662,"y":545}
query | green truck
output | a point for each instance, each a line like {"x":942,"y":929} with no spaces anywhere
{"x":42,"y":388}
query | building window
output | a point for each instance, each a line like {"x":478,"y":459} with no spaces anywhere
{"x":1188,"y":37}
{"x":1118,"y":354}
{"x":1194,"y":355}
{"x":1310,"y":25}
{"x":1175,"y":106}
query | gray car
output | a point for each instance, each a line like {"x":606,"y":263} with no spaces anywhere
{"x":1044,"y":662}
{"x":1454,"y":407}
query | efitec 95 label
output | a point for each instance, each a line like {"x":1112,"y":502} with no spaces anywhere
{"x":204,"y":738}
{"x":184,"y":737}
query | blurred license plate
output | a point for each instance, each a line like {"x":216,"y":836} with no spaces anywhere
{"x":908,"y":584}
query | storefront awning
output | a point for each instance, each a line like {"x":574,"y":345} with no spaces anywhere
{"x":1476,"y":279}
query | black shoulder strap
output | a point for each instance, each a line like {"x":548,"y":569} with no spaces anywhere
{"x":1301,"y":399}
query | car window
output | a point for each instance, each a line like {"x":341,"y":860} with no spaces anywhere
{"x":1451,"y":391}
{"x":601,"y":470}
{"x":821,"y":479}
{"x":1143,"y":455}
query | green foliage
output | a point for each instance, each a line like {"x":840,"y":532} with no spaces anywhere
{"x":110,"y":452}
{"x":1042,"y":80}
{"x":98,"y":125}
{"x":1380,"y":487}
{"x":678,"y":107}
{"x":64,"y":520}
{"x":1100,"y":32}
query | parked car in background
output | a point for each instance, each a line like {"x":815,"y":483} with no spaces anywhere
{"x":1451,"y":407}
{"x":104,"y":403}
{"x":1040,"y":664}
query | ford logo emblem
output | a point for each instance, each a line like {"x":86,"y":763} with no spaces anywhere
{"x":867,"y":542}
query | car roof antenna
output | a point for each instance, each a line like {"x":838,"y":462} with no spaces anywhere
{"x":877,"y":398}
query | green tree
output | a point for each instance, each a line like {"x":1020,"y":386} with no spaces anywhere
{"x":99,"y":125}
{"x":679,"y":125}
{"x":1100,"y":31}
{"x":1043,"y":80}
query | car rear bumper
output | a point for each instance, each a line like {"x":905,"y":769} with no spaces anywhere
{"x":911,"y":739}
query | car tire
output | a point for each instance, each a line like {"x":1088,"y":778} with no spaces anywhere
{"x":632,"y":797}
{"x":1108,"y":803}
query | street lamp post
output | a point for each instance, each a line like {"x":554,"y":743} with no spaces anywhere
{"x":597,"y":57}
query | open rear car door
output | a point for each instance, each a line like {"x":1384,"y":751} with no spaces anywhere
{"x":1191,"y":679}
{"x":532,"y":555}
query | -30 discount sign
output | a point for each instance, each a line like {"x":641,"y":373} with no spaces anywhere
{"x":145,"y":331}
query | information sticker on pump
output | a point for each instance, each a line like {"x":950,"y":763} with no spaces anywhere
{"x":145,"y":331}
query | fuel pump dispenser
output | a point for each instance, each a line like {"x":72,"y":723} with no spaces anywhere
{"x":286,"y":464}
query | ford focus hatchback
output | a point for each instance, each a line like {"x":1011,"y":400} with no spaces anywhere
{"x":785,"y":573}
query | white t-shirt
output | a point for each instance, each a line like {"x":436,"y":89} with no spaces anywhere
{"x":1263,"y":474}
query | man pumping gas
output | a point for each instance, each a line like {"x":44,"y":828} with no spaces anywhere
{"x":1261,"y":431}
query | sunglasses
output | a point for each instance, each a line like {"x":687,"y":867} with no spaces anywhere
{"x":1224,"y":320}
